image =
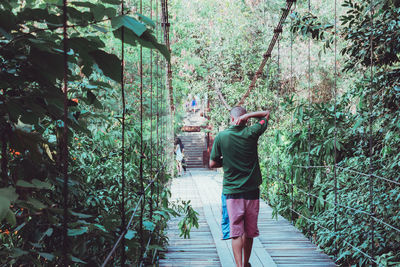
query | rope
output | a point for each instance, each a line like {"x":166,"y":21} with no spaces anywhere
{"x":335,"y":131}
{"x":309,"y":117}
{"x":141,"y":144}
{"x":130,"y":220}
{"x":373,"y":175}
{"x":123,"y":255}
{"x":349,"y":170}
{"x":151,"y":118}
{"x":341,"y":205}
{"x":65,"y":138}
{"x":165,"y":23}
{"x":267,"y":55}
{"x":221,"y":97}
{"x":371,"y":184}
{"x":277,"y":108}
{"x":157,"y":105}
{"x":291,"y":122}
{"x":323,"y":227}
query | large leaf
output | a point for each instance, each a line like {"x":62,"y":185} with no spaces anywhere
{"x":108,"y":63}
{"x":47,"y":256}
{"x":79,"y":231}
{"x":4,"y":207}
{"x":146,"y":20}
{"x":146,"y":40}
{"x":130,"y":234}
{"x":34,"y":184}
{"x":113,"y":2}
{"x":9,"y":193}
{"x":130,"y":23}
{"x":7,"y":196}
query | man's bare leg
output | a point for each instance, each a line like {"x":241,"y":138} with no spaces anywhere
{"x":237,"y":246}
{"x":247,"y":246}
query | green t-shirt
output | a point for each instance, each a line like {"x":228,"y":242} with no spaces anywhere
{"x":237,"y":146}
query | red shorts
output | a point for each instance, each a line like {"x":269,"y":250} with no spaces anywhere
{"x":243,"y":216}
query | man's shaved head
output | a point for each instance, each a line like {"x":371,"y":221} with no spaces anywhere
{"x":238,"y":111}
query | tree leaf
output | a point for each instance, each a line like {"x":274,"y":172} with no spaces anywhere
{"x":112,"y":2}
{"x":76,"y":232}
{"x":9,"y":193}
{"x":36,"y":203}
{"x":146,"y":20}
{"x":75,"y":259}
{"x":47,"y":256}
{"x":130,"y":234}
{"x":108,"y":63}
{"x":10,"y":217}
{"x":148,"y":225}
{"x":130,"y":23}
{"x":80,"y":215}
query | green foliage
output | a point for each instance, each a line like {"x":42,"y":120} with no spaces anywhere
{"x":32,"y":128}
{"x":190,"y":219}
{"x":226,"y":48}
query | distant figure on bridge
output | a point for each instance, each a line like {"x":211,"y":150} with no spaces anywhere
{"x":235,"y":149}
{"x":179,"y":147}
{"x":193,"y":104}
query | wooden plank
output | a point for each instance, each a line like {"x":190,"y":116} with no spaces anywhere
{"x":210,"y":194}
{"x":223,"y":250}
{"x":200,"y":249}
{"x":286,"y":245}
{"x":279,"y":243}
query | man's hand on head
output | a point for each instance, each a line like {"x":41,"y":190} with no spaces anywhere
{"x":242,"y":120}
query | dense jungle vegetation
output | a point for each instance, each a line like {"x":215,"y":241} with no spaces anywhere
{"x":219,"y":44}
{"x":32,"y":130}
{"x":214,"y":45}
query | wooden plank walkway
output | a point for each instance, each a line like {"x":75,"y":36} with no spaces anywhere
{"x":279,"y":243}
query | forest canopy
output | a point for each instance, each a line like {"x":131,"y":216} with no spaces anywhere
{"x":330,"y":160}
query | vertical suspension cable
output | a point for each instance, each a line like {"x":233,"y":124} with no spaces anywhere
{"x":309,"y":116}
{"x":157,"y":107}
{"x":151,"y":122}
{"x":162,"y":140}
{"x":65,"y":139}
{"x":291,"y":87}
{"x":335,"y":132}
{"x":371,"y":184}
{"x":163,"y":104}
{"x":141,"y":147}
{"x":277,"y":108}
{"x":123,"y":255}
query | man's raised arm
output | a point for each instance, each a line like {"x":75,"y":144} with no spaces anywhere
{"x":258,"y":114}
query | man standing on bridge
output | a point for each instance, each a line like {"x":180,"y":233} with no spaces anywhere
{"x":235,"y":149}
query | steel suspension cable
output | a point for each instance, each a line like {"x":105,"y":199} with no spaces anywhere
{"x":141,"y":145}
{"x":267,"y":55}
{"x":371,"y":215}
{"x":65,"y":139}
{"x":371,"y":184}
{"x":291,"y":122}
{"x":123,"y":255}
{"x":157,"y":105}
{"x":335,"y":131}
{"x":277,"y":108}
{"x":151,"y":120}
{"x":309,"y":114}
{"x":125,"y":230}
{"x":344,"y":241}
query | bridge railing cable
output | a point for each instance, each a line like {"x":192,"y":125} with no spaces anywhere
{"x":348,"y":169}
{"x":266,"y":56}
{"x":372,"y":215}
{"x":138,"y":203}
